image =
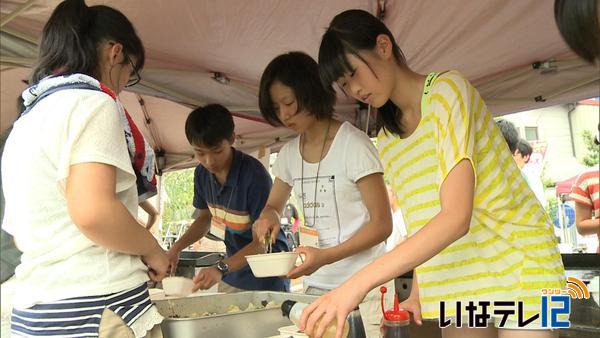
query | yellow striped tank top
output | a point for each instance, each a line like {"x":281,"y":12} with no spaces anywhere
{"x":510,"y":251}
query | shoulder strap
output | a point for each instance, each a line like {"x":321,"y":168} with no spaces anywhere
{"x":79,"y":85}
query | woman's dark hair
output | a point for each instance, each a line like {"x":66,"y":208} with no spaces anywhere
{"x":510,"y":134}
{"x":299,"y":72}
{"x":72,"y":35}
{"x":349,"y":33}
{"x":578,"y":23}
{"x":209,"y":125}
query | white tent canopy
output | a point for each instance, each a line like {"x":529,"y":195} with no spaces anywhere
{"x":202,"y":52}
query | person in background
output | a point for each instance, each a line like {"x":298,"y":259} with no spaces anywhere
{"x":291,"y":213}
{"x":586,"y":194}
{"x":67,"y":176}
{"x":230,"y":190}
{"x":579,"y":24}
{"x":522,"y":155}
{"x":510,"y":134}
{"x":333,"y":171}
{"x":153,"y":214}
{"x":476,"y":231}
{"x":521,"y":150}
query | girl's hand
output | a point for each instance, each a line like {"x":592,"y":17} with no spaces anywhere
{"x":312,"y":258}
{"x":335,"y":305}
{"x":157,"y":262}
{"x":413,"y":305}
{"x":267,"y":221}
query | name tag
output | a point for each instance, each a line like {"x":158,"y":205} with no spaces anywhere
{"x":309,"y":236}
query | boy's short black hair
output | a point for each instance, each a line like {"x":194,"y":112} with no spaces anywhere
{"x":300,"y":72}
{"x":209,"y":125}
{"x":510,"y":133}
{"x":524,"y":148}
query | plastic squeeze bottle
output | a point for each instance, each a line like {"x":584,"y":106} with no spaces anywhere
{"x":293,"y":310}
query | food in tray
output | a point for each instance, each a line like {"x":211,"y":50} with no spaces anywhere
{"x":230,"y":310}
{"x":233,"y":309}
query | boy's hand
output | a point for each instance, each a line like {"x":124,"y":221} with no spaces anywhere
{"x":173,"y":255}
{"x":206,"y":278}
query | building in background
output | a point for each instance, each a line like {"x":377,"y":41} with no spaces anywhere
{"x":559,"y":129}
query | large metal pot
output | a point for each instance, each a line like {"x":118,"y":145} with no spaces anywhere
{"x":258,"y":323}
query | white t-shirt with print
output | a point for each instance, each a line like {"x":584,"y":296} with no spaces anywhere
{"x":340,"y":211}
{"x":68,"y":127}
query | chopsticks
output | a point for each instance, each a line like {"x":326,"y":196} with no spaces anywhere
{"x":268,"y":243}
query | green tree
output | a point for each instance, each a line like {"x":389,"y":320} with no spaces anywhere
{"x":592,"y":157}
{"x":547,"y":181}
{"x":552,"y":207}
{"x":179,"y":187}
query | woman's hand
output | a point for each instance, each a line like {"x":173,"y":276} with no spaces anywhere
{"x":157,"y":262}
{"x":413,"y":305}
{"x":335,"y":305}
{"x":267,"y":222}
{"x":312,"y":260}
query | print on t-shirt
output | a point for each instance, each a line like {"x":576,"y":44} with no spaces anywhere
{"x":322,"y":210}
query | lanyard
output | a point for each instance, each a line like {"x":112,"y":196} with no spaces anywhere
{"x":316,"y":178}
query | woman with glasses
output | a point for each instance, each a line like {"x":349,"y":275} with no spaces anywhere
{"x":70,"y":185}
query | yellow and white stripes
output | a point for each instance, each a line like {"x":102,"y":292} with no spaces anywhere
{"x":510,"y":251}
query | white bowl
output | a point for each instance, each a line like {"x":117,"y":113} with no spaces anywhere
{"x":273,"y":264}
{"x":156,"y":294}
{"x":177,"y":286}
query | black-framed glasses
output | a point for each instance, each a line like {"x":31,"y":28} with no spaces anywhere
{"x":134,"y":77}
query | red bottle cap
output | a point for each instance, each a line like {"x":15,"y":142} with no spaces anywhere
{"x":397,"y":315}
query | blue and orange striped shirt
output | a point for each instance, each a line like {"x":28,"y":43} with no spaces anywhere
{"x":237,"y":204}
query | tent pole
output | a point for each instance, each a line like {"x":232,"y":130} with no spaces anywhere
{"x":522,"y":70}
{"x":566,"y":90}
{"x":6,"y":19}
{"x":172,"y":93}
{"x":21,"y":61}
{"x":20,"y":35}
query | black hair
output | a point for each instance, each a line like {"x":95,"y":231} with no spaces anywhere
{"x":578,"y":24}
{"x":349,"y":33}
{"x":209,"y":125}
{"x":72,"y":35}
{"x":20,"y":105}
{"x":510,"y":133}
{"x":300,"y":73}
{"x":524,"y":148}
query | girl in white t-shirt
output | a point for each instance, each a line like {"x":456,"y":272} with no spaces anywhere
{"x":70,"y":186}
{"x":335,"y":173}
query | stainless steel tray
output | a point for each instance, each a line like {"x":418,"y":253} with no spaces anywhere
{"x":259,"y":323}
